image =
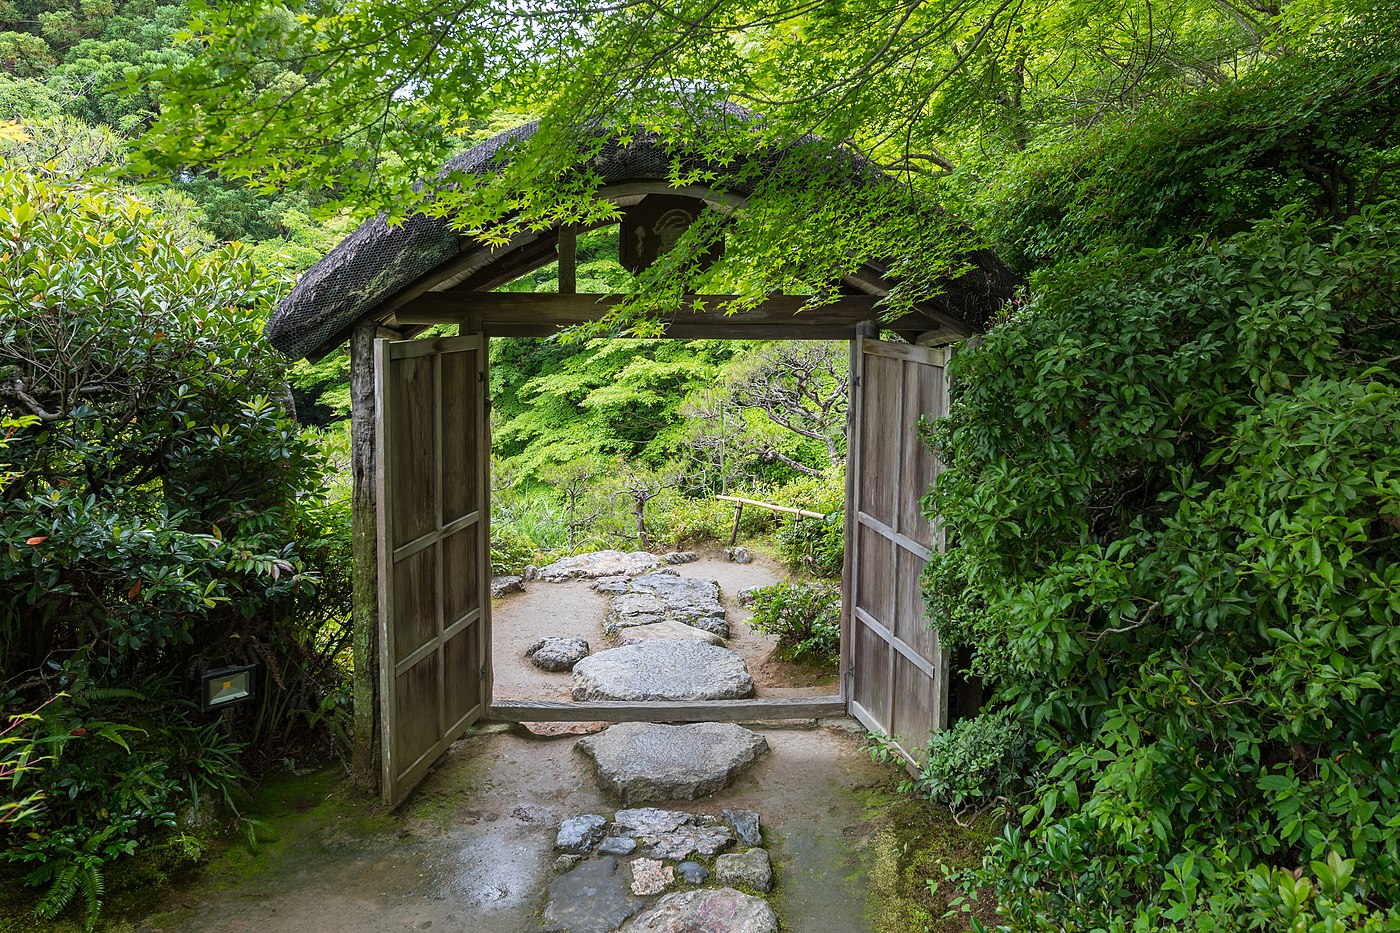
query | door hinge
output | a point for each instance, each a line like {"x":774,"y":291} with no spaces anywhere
{"x":485,"y":669}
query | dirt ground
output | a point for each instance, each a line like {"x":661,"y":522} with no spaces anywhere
{"x":471,"y":852}
{"x":572,"y":609}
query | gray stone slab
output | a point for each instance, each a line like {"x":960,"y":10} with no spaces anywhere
{"x":688,"y":841}
{"x":723,"y":910}
{"x":745,"y":823}
{"x":666,"y":631}
{"x":580,"y":833}
{"x":748,"y":869}
{"x":663,"y":670}
{"x":594,"y":897}
{"x":500,"y":586}
{"x":557,"y":653}
{"x":681,"y":599}
{"x":640,"y":821}
{"x":599,"y":564}
{"x":641,"y":762}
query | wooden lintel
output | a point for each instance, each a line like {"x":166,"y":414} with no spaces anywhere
{"x":666,"y":711}
{"x":508,"y":314}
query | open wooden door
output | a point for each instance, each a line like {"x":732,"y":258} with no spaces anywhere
{"x":434,"y":549}
{"x":895,"y":675}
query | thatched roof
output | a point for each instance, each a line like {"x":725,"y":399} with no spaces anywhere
{"x":377,"y":261}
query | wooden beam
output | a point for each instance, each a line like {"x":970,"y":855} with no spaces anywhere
{"x":508,"y":314}
{"x":568,"y":261}
{"x":666,"y":711}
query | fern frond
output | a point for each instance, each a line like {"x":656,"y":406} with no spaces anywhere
{"x":90,"y":879}
{"x":57,"y":897}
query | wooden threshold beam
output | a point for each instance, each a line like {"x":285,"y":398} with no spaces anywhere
{"x":666,"y":711}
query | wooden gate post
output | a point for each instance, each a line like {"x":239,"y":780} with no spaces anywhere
{"x":364,"y":612}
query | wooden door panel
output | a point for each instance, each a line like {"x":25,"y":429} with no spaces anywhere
{"x":434,"y":602}
{"x":897,"y":672}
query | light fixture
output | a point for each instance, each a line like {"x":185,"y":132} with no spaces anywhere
{"x":227,"y":686}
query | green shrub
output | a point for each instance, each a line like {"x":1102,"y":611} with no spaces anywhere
{"x":971,"y":764}
{"x":1172,"y":481}
{"x":162,"y":515}
{"x":805,"y":617}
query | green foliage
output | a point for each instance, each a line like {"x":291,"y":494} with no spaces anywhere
{"x":805,"y":617}
{"x":814,"y":545}
{"x":1172,"y":478}
{"x":162,"y":515}
{"x":973,"y":764}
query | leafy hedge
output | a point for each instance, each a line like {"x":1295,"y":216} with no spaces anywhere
{"x":162,"y":515}
{"x":1174,"y":478}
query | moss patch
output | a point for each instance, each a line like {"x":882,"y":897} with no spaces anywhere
{"x":913,"y":842}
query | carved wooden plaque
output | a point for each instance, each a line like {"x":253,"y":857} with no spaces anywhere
{"x":653,"y":226}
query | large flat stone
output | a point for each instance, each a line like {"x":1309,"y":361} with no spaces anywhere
{"x":723,"y":910}
{"x":660,"y":597}
{"x":663,"y":670}
{"x":642,"y":762}
{"x":594,"y":897}
{"x":599,"y":564}
{"x":666,"y":631}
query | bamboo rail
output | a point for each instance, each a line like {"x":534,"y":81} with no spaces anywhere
{"x":739,"y":504}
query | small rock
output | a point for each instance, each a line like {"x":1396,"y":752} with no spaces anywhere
{"x":556,"y":653}
{"x":553,"y":730}
{"x":617,"y":845}
{"x":666,"y":631}
{"x":599,"y":564}
{"x":749,"y":869}
{"x":745,"y":823}
{"x":747,"y":594}
{"x":531,"y":573}
{"x":593,"y":897}
{"x":692,"y":872}
{"x":613,"y":586}
{"x":663,"y":670}
{"x":579,"y":833}
{"x":739,"y":555}
{"x":682,"y":843}
{"x":565,"y":862}
{"x":723,"y":910}
{"x":680,"y":557}
{"x":500,"y":586}
{"x":845,"y":725}
{"x":651,"y":877}
{"x":643,"y":761}
{"x":645,"y":820}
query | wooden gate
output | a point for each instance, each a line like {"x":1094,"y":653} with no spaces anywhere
{"x":894,"y":672}
{"x":434,"y":549}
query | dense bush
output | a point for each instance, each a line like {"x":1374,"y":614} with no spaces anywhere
{"x":805,"y":617}
{"x":975,"y":763}
{"x":1174,"y":479}
{"x":162,"y":515}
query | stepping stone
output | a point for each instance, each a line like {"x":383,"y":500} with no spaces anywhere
{"x":579,"y":834}
{"x":745,"y":823}
{"x":687,"y":841}
{"x":599,"y":564}
{"x":666,"y":631}
{"x":651,"y":877}
{"x":617,"y":845}
{"x":555,"y":653}
{"x":750,"y":869}
{"x":663,"y":670}
{"x":680,"y":557}
{"x":723,"y":910}
{"x":641,"y":761}
{"x":657,"y":597}
{"x":642,"y":821}
{"x":692,"y":872}
{"x":593,"y":897}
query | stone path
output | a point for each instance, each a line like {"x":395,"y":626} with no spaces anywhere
{"x":641,"y":762}
{"x":646,"y":871}
{"x":663,"y":670}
